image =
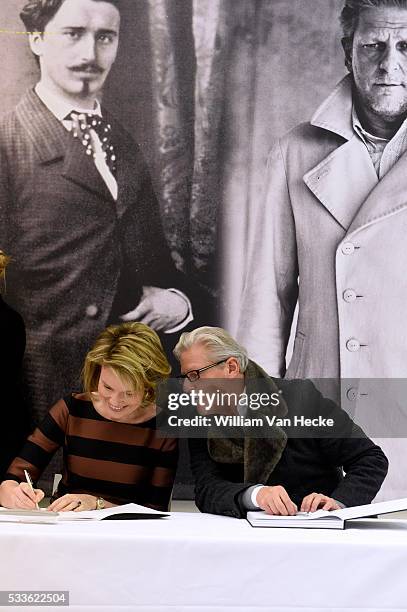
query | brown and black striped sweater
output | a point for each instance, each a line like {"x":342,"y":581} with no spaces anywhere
{"x":120,"y":462}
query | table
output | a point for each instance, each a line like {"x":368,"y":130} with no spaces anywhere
{"x":201,"y":563}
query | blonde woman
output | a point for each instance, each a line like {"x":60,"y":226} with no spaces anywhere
{"x":14,"y":416}
{"x":112,"y":453}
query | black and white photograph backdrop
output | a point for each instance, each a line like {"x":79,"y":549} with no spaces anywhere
{"x":207,"y":88}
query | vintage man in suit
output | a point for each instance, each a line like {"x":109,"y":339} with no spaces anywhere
{"x":292,"y":467}
{"x":331,"y":231}
{"x":79,"y":216}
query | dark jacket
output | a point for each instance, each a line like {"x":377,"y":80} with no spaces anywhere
{"x":306,"y":464}
{"x":15,"y":421}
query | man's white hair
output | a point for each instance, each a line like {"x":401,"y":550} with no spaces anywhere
{"x":217,"y":341}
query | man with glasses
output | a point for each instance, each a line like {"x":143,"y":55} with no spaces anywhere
{"x":194,"y":375}
{"x":280,"y":473}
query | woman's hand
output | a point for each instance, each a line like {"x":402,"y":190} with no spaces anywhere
{"x":19,"y":496}
{"x":73,"y":501}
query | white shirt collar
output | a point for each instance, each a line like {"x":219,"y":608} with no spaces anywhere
{"x":59,"y":107}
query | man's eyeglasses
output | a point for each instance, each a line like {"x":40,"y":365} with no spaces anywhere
{"x":194,"y":375}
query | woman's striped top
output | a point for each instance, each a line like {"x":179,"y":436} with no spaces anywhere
{"x":120,"y":462}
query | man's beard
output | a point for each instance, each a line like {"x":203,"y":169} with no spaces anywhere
{"x":93,"y":68}
{"x":390,"y":112}
{"x":85,"y":88}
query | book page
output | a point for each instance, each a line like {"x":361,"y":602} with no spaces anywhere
{"x":97,"y":515}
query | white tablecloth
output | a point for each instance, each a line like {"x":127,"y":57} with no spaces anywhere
{"x":202,"y":563}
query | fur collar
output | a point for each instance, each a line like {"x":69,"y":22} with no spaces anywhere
{"x":259,"y":456}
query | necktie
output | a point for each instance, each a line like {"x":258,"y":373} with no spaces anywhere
{"x":103,"y":129}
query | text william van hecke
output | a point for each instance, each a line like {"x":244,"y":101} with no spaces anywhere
{"x":222,"y":420}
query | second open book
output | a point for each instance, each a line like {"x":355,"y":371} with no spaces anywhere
{"x":323,"y":519}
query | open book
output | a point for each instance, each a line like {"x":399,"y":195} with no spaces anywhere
{"x":130,"y":511}
{"x":324,"y":519}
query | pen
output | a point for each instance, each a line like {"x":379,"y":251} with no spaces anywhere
{"x":30,"y":484}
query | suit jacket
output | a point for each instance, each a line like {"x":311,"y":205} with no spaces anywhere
{"x":305,"y":465}
{"x":79,"y":258}
{"x":328,"y":221}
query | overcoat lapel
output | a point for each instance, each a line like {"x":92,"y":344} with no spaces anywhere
{"x":387,"y":198}
{"x":53,"y":143}
{"x":343,"y":180}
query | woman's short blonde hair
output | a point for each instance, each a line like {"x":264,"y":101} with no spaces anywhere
{"x":4,"y":261}
{"x":134,"y":352}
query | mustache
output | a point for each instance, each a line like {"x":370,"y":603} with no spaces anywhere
{"x":90,"y":67}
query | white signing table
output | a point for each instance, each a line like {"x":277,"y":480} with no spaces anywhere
{"x":201,"y":563}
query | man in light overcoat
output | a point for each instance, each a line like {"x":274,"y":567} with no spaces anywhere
{"x":331,"y":233}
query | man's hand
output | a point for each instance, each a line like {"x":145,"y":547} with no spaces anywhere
{"x":317,"y":501}
{"x":19,"y":496}
{"x":73,"y":501}
{"x":275,"y":500}
{"x":161,"y":309}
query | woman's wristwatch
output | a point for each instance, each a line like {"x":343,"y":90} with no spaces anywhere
{"x":100,"y":503}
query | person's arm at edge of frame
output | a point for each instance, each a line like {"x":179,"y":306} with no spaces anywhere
{"x":33,"y":457}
